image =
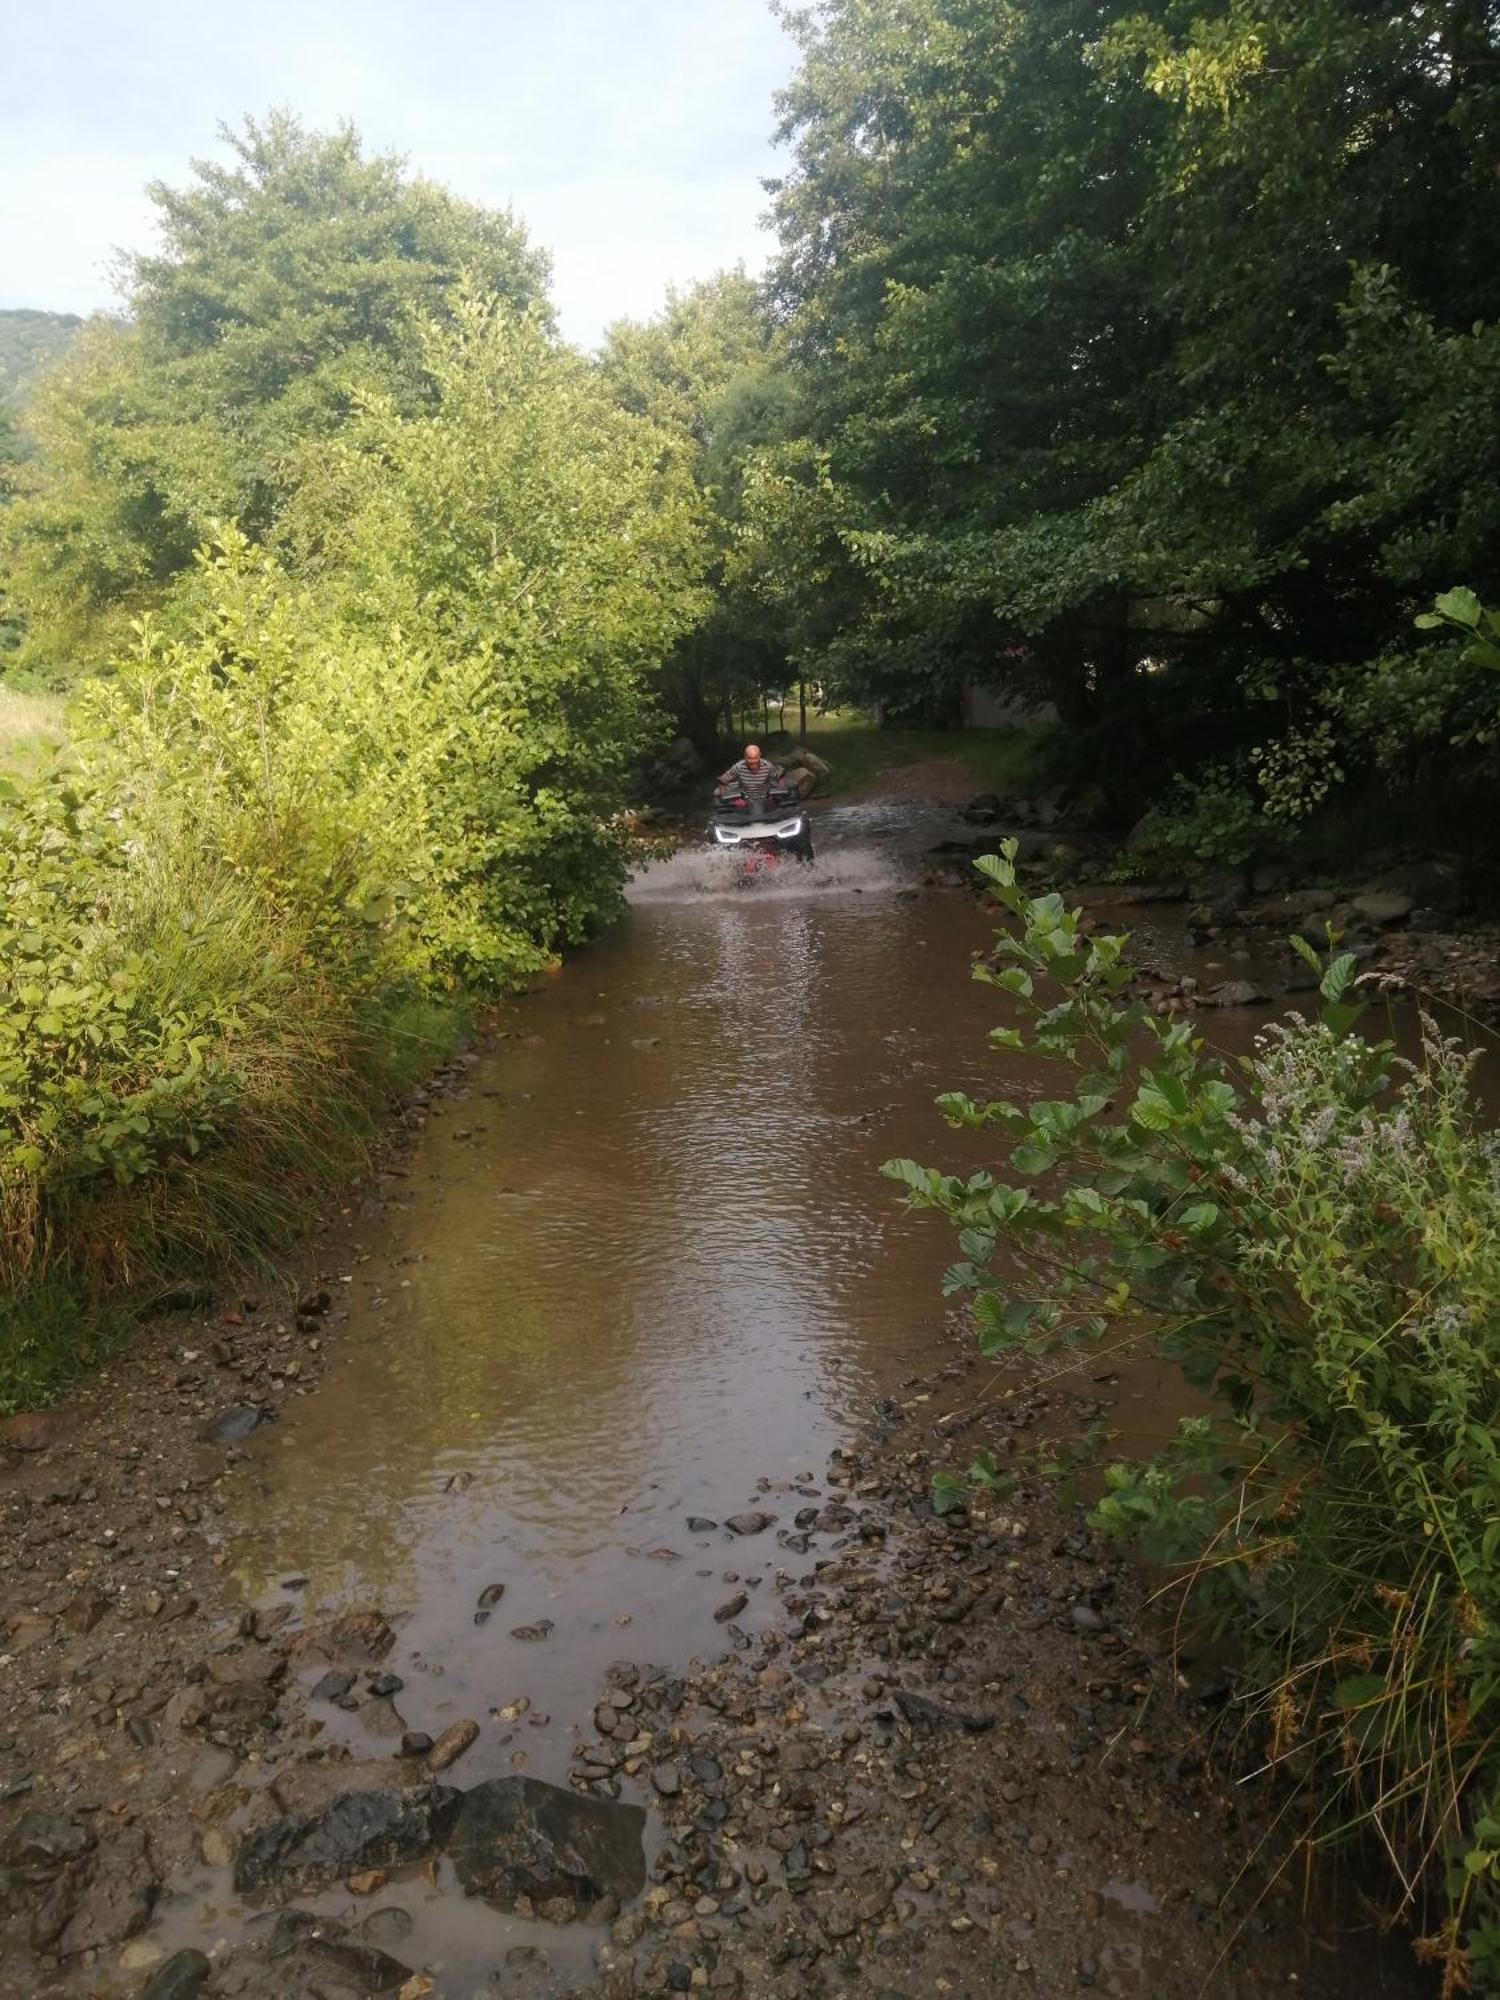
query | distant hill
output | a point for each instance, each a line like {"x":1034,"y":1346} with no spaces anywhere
{"x":28,"y":341}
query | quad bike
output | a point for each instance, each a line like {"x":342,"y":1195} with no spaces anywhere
{"x":764,"y":833}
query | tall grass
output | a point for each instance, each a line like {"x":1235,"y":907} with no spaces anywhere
{"x":30,"y":725}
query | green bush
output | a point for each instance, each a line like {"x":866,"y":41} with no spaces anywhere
{"x":326,"y":796}
{"x":1313,"y":1235}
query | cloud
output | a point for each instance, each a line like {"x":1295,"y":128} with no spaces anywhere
{"x":632,"y":138}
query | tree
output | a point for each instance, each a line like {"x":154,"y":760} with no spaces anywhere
{"x":707,"y":371}
{"x":1133,"y":338}
{"x":288,"y":282}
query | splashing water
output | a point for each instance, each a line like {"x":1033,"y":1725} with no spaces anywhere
{"x":701,"y":872}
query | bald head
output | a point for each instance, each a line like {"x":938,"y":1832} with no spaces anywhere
{"x":752,"y":754}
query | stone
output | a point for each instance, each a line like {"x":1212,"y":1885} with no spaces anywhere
{"x":354,"y":1831}
{"x":451,"y":1745}
{"x":731,"y":1608}
{"x":30,"y":1430}
{"x":924,"y":1713}
{"x":1235,"y":993}
{"x":667,"y":1780}
{"x":750,"y":1523}
{"x":315,"y":1782}
{"x":364,"y":1636}
{"x":490,"y":1596}
{"x":699,"y":1524}
{"x":334,"y":1685}
{"x":100,"y":1899}
{"x":532,"y":1633}
{"x":983,"y":810}
{"x":1085,"y":1618}
{"x":181,"y":1977}
{"x":1384,"y":906}
{"x":315,"y":1304}
{"x":187,"y":1297}
{"x":234,"y":1424}
{"x":519,"y":1837}
{"x":317,"y":1955}
{"x":28,"y":1629}
{"x":42,"y":1843}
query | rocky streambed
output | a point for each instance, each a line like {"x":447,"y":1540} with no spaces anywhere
{"x":954,"y":1758}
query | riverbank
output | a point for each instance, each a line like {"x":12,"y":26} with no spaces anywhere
{"x":952,"y":1758}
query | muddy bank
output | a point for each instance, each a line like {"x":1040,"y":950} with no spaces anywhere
{"x":951,"y":1758}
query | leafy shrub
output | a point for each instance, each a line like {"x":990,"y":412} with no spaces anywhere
{"x":325,"y":796}
{"x":1210,"y":820}
{"x":1313,"y":1235}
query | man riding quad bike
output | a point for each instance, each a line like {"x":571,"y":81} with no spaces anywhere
{"x":758,"y":814}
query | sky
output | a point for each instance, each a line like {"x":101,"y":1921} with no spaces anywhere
{"x":632,"y":136}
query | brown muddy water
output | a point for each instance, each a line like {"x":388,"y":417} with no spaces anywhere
{"x":646,"y":1269}
{"x":649,"y":1262}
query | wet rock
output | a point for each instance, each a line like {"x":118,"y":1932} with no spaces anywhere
{"x":234,"y":1424}
{"x":452,"y":1744}
{"x":28,"y":1629}
{"x":667,"y":1780}
{"x":315,"y":1782}
{"x":983,"y":810}
{"x":334,"y":1685}
{"x":731,"y":1609}
{"x":490,"y":1596}
{"x":181,"y":1977}
{"x":1384,"y":906}
{"x":382,"y":1686}
{"x":186,"y":1297}
{"x":415,"y":1743}
{"x":531,"y":1633}
{"x":699,"y":1524}
{"x":924,"y":1713}
{"x":248,"y":1667}
{"x":1085,"y":1618}
{"x":100,"y":1899}
{"x":1235,"y":993}
{"x":314,"y":1304}
{"x":43,"y":1843}
{"x":355,"y":1831}
{"x":517,"y":1837}
{"x":752,"y":1522}
{"x":364,"y":1636}
{"x":317,"y":1955}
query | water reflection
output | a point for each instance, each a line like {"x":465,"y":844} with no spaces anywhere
{"x":658,"y":1265}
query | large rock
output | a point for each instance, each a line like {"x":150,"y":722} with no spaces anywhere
{"x":314,"y":1783}
{"x":303,"y":1956}
{"x":99,"y":1899}
{"x":181,"y":1977}
{"x":353,"y":1832}
{"x":803,"y":759}
{"x":1385,"y":906}
{"x":519,"y":1837}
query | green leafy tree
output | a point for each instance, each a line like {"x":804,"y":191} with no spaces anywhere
{"x":709,"y":373}
{"x":288,"y":282}
{"x":1151,"y":348}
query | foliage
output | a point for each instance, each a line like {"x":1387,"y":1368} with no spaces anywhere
{"x":707,"y":373}
{"x":1315,"y":1239}
{"x":288,"y":282}
{"x":376,"y":767}
{"x":1211,"y":820}
{"x":28,"y":341}
{"x":1149,"y":356}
